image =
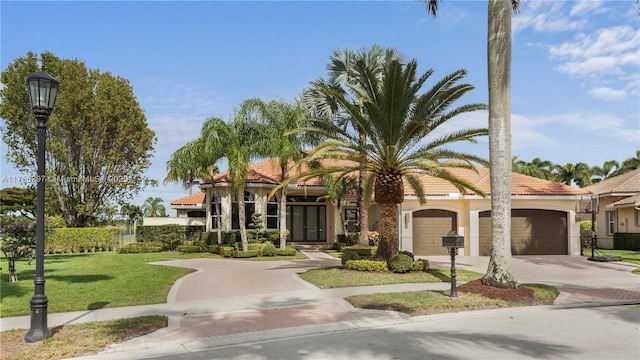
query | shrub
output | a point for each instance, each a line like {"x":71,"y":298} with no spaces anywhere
{"x":337,"y":246}
{"x":227,"y":251}
{"x":400,"y":263}
{"x":268,"y":249}
{"x":138,"y":248}
{"x":367,"y":265}
{"x":408,"y":253}
{"x":585,"y":233}
{"x":214,"y":248}
{"x":626,"y":241}
{"x":246,"y":254}
{"x":189,"y":248}
{"x":254,"y":246}
{"x":72,"y":240}
{"x":287,"y":251}
{"x":349,"y":255}
{"x":420,"y":265}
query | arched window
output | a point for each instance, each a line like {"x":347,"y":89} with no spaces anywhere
{"x":249,"y":209}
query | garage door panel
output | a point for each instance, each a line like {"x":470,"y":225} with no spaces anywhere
{"x":533,"y":232}
{"x":428,"y":228}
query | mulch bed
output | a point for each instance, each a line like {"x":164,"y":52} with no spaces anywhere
{"x":519,"y":295}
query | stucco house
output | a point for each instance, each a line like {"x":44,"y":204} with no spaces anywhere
{"x":618,"y":206}
{"x":543,"y":217}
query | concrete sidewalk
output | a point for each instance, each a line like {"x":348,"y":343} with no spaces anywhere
{"x":266,"y":299}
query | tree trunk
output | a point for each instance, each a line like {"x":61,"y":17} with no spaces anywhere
{"x":242,"y":220}
{"x":500,"y":269}
{"x":388,"y":242}
{"x":282,"y":214}
{"x":363,"y":212}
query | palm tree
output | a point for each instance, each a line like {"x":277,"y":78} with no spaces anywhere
{"x":608,"y":169}
{"x":567,"y":174}
{"x":236,"y":141}
{"x":337,"y":189}
{"x":133,"y":214}
{"x":274,"y":119}
{"x":399,"y":124}
{"x":342,"y":74}
{"x":631,"y":163}
{"x":500,"y":270}
{"x":188,"y":163}
{"x":537,"y":168}
{"x":153,"y":207}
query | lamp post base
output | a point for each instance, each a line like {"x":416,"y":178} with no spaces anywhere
{"x":39,"y":330}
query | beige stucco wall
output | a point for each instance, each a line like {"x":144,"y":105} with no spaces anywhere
{"x":626,"y":220}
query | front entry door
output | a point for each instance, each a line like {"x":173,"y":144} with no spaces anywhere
{"x":306,"y":223}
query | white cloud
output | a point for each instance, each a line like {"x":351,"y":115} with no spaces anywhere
{"x":586,"y":7}
{"x":606,"y":93}
{"x":608,"y":56}
{"x":553,"y":16}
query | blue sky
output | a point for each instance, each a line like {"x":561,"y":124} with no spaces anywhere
{"x":575,"y":65}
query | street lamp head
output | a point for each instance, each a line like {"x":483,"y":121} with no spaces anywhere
{"x":43,"y":90}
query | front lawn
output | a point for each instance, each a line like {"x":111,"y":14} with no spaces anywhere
{"x":336,"y":277}
{"x":90,"y":281}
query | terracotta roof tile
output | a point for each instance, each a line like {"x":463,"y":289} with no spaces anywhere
{"x":628,"y":182}
{"x":193,"y":199}
{"x":268,"y":172}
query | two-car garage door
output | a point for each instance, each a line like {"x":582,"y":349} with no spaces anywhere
{"x":533,"y":232}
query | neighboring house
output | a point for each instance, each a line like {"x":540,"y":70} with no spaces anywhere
{"x":619,"y":206}
{"x":190,"y":211}
{"x":544,"y":221}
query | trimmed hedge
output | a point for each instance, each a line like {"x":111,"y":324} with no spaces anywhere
{"x":367,"y":265}
{"x":190,"y":248}
{"x":287,"y":251}
{"x":626,"y":241}
{"x":349,"y":253}
{"x":137,"y":248}
{"x":74,"y":240}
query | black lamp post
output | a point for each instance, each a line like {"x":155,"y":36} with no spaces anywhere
{"x":43,"y":90}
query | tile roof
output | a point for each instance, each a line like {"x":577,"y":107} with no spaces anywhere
{"x":627,"y":202}
{"x":628,"y":182}
{"x":520,"y":184}
{"x":193,"y":199}
{"x":268,"y":172}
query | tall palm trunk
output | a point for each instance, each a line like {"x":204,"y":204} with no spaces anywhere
{"x":242,"y":218}
{"x":282,"y":213}
{"x":363,"y":211}
{"x":500,"y":269}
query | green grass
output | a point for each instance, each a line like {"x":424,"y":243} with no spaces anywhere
{"x":434,"y":302}
{"x":79,"y":339}
{"x":76,"y":282}
{"x":337,"y":277}
{"x":628,"y":256}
